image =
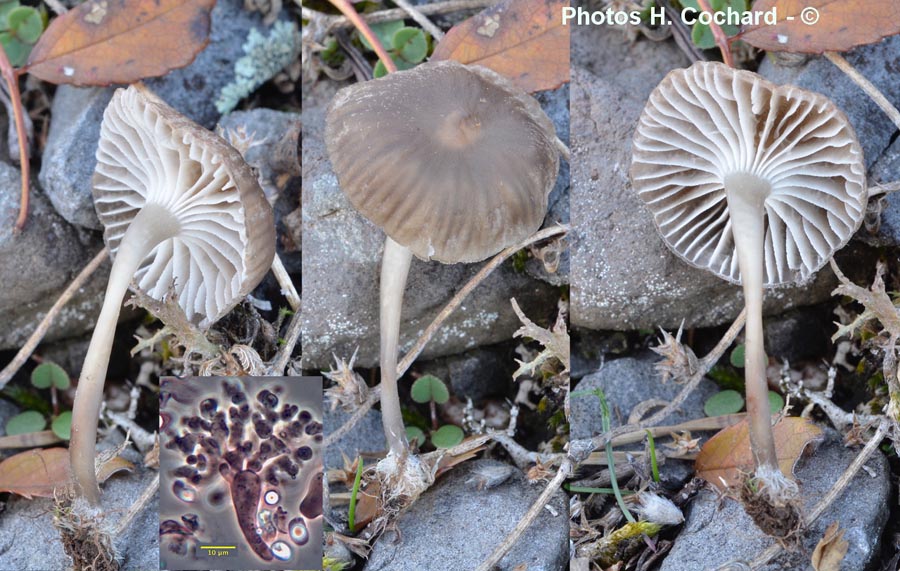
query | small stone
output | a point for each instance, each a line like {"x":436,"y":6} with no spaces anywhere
{"x":367,"y":436}
{"x":453,"y":526}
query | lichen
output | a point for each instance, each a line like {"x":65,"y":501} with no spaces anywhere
{"x":265,"y":57}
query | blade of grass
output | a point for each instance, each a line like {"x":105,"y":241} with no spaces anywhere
{"x":351,"y":516}
{"x":610,"y":461}
{"x":654,"y":466}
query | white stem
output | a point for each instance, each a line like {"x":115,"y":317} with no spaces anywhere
{"x":746,"y":196}
{"x":394,"y":270}
{"x":150,"y":227}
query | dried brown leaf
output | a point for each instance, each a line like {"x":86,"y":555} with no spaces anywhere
{"x":725,"y":459}
{"x":101,"y":42}
{"x":817,"y":26}
{"x":830,"y":550}
{"x":523,"y":40}
{"x":35,"y":472}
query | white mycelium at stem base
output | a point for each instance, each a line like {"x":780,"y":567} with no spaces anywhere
{"x":150,"y":227}
{"x":183,"y":215}
{"x":756,"y":183}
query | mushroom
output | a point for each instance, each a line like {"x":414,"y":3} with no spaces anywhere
{"x":181,"y":212}
{"x":454,"y":163}
{"x":756,"y":183}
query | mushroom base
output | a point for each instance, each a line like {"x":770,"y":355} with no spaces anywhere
{"x":773,"y":507}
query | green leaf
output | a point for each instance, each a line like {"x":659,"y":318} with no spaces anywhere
{"x":50,"y":373}
{"x":5,"y":9}
{"x":776,"y":402}
{"x":62,"y":425}
{"x":384,"y":31}
{"x":429,"y":388}
{"x":703,"y":37}
{"x":415,"y":434}
{"x":411,"y":44}
{"x":16,"y":50}
{"x":447,"y":436}
{"x":28,"y":421}
{"x":737,"y":356}
{"x":724,"y":402}
{"x":26,"y":23}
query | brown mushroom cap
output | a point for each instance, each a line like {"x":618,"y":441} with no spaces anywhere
{"x":151,"y":154}
{"x":709,"y":122}
{"x":451,"y":161}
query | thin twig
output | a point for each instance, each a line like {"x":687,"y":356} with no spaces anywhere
{"x":287,"y":286}
{"x":718,"y":34}
{"x":866,"y":85}
{"x":365,"y":31}
{"x":420,"y":19}
{"x":836,"y":490}
{"x":28,"y":348}
{"x":461,"y":295}
{"x":886,"y":188}
{"x":138,"y":506}
{"x":11,"y":77}
{"x":564,"y":471}
{"x":29,"y":440}
{"x":281,"y":361}
{"x":328,"y":23}
{"x":432,"y":328}
{"x":705,"y":365}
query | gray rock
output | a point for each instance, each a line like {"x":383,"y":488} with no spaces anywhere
{"x":626,"y":383}
{"x":623,"y":275}
{"x":886,"y":170}
{"x":803,"y":333}
{"x":366,"y":437}
{"x":68,"y":160}
{"x":718,"y":529}
{"x":455,"y":526}
{"x":274,"y":153}
{"x":877,"y":62}
{"x":37,"y":264}
{"x":341,"y":264}
{"x":478,"y":373}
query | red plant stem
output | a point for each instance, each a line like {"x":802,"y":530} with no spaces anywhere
{"x":718,"y":34}
{"x":11,"y":76}
{"x":350,"y":13}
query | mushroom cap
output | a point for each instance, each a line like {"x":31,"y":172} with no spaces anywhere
{"x":151,"y":154}
{"x":451,"y":161}
{"x":709,"y":121}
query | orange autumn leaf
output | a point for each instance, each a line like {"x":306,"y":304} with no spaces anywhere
{"x":725,"y":458}
{"x":523,"y":40}
{"x":35,"y":472}
{"x":121,"y":41}
{"x":817,"y":26}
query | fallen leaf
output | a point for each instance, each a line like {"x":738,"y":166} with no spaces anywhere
{"x":121,"y":41}
{"x":35,"y":472}
{"x":817,"y":26}
{"x":830,"y":550}
{"x":726,"y":456}
{"x":523,"y":40}
{"x":113,"y":465}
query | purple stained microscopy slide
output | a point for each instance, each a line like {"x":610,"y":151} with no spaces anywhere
{"x":241,"y":463}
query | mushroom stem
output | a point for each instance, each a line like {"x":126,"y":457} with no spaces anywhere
{"x":394,"y":270}
{"x":746,"y":195}
{"x":152,"y":225}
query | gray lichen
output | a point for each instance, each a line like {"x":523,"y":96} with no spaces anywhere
{"x":265,"y":57}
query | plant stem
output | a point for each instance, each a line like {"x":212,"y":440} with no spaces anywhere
{"x":394,"y":271}
{"x":718,"y":34}
{"x":347,"y":10}
{"x":11,"y":77}
{"x":420,"y":19}
{"x":351,"y":515}
{"x":149,"y":228}
{"x":746,"y":195}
